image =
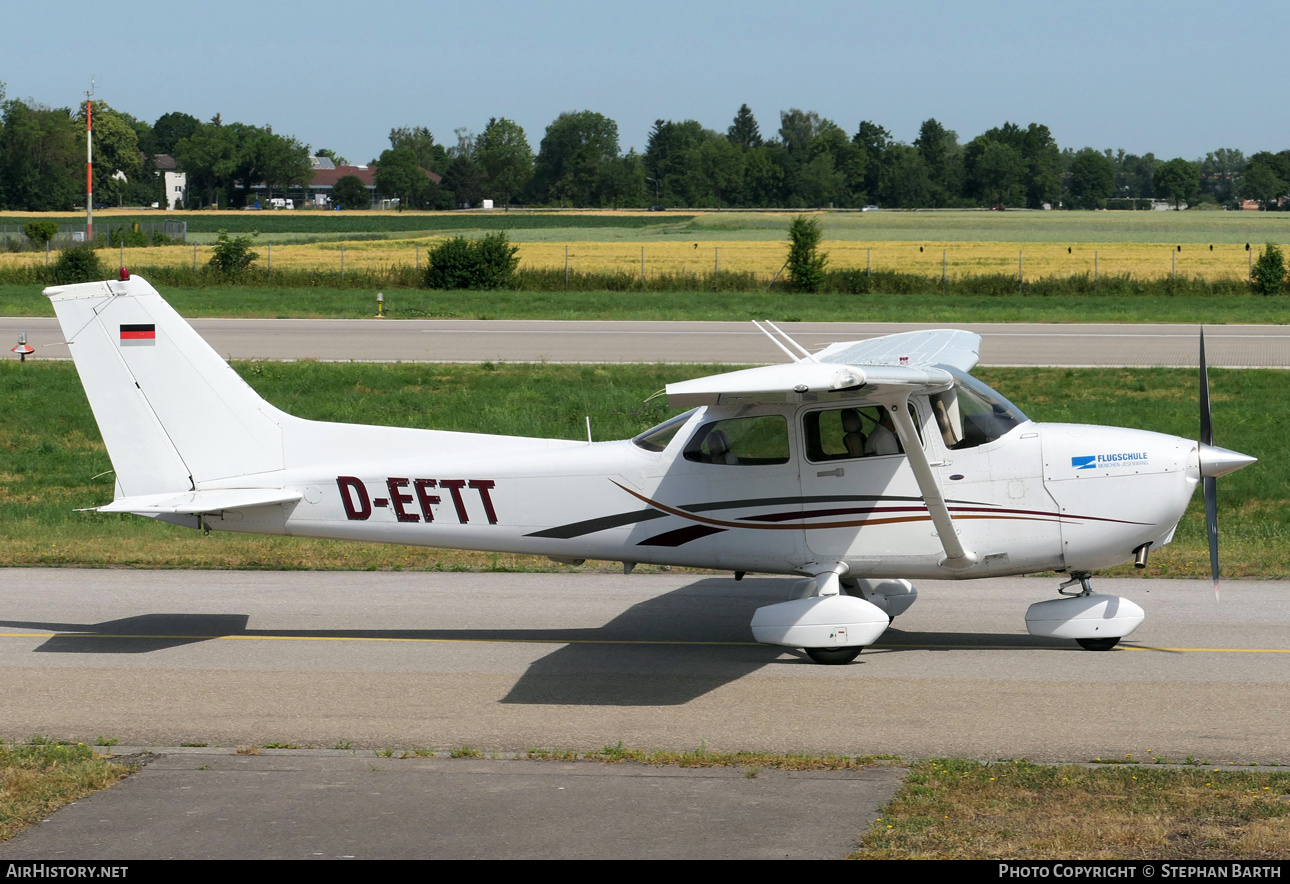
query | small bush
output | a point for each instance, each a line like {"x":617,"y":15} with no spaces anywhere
{"x":461,"y":263}
{"x":1270,"y":271}
{"x":40,"y":232}
{"x":232,"y":255}
{"x":805,"y":260}
{"x":79,"y":263}
{"x":130,"y":237}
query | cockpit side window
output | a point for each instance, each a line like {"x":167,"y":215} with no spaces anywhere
{"x":971,"y":414}
{"x":844,"y":433}
{"x":744,"y":441}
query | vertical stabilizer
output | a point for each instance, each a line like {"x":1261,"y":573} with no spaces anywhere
{"x":173,"y":414}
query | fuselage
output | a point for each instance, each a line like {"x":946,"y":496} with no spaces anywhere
{"x":1039,"y":497}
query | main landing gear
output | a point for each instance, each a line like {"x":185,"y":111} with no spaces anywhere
{"x":1096,"y":622}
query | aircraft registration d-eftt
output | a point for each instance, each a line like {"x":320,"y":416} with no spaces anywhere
{"x":856,"y":468}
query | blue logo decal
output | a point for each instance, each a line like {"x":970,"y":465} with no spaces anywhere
{"x":1087,"y":462}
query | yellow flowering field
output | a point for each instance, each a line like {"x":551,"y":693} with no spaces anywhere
{"x":765,"y":258}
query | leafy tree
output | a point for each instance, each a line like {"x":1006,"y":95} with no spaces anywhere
{"x":349,"y":192}
{"x":873,"y":141}
{"x":806,"y":262}
{"x":399,"y":176}
{"x":623,"y":180}
{"x":41,"y":168}
{"x":996,"y":171}
{"x":744,"y":133}
{"x":763,"y":176}
{"x":505,"y":159}
{"x":849,"y":163}
{"x":797,"y":129}
{"x":170,"y":129}
{"x":670,"y":160}
{"x":116,"y":149}
{"x":573,"y":158}
{"x":905,"y":181}
{"x":40,"y":232}
{"x":461,"y":263}
{"x":1177,"y":180}
{"x":280,"y":160}
{"x":1092,"y":179}
{"x":464,"y":182}
{"x":720,"y":166}
{"x":1220,"y":174}
{"x":210,"y":158}
{"x":419,"y":139}
{"x":231,"y":256}
{"x":942,"y":155}
{"x":1261,"y":181}
{"x":1269,"y":271}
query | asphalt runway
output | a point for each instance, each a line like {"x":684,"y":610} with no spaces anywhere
{"x":504,"y":662}
{"x":367,"y":340}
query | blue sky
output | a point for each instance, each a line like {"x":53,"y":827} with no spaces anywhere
{"x":1177,"y":78}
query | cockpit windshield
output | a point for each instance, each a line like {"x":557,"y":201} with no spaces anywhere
{"x":657,"y":438}
{"x":971,"y":414}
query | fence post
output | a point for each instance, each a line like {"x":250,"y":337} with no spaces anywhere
{"x":716,"y":267}
{"x":1021,"y":276}
{"x":868,"y":262}
{"x":418,"y":258}
{"x":944,"y":252}
{"x":194,"y":257}
{"x":642,"y":267}
{"x":566,"y":268}
{"x":1249,"y":259}
{"x":1095,"y":270}
{"x":342,"y":262}
{"x":1173,"y":272}
{"x":270,"y":259}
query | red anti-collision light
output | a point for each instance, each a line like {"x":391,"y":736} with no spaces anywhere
{"x":125,"y":273}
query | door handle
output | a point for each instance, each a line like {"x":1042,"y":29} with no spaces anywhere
{"x":838,"y":472}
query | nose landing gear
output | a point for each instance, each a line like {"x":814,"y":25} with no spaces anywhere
{"x":1096,"y":622}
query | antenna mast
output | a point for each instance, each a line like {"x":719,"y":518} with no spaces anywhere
{"x":89,"y":167}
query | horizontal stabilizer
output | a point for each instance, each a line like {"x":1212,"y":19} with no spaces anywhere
{"x":195,"y":502}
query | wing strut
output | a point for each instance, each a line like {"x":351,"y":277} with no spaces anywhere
{"x":806,"y":354}
{"x":956,"y":557}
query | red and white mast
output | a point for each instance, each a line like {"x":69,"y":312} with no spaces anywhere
{"x":89,"y":169}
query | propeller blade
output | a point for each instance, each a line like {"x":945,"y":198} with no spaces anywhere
{"x":1206,"y":425}
{"x":1211,"y":527}
{"x":1209,"y":483}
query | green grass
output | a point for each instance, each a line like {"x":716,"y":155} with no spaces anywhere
{"x":43,"y":775}
{"x":51,"y":456}
{"x":956,"y":809}
{"x":358,"y":303}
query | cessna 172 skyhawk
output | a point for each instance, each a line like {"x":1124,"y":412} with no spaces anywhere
{"x":855,"y":468}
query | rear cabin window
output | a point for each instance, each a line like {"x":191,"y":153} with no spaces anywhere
{"x":845,"y":433}
{"x":744,"y":441}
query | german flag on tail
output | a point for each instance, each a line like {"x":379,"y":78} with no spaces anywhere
{"x":139,"y":335}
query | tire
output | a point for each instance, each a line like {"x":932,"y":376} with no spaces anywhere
{"x":833,"y":656}
{"x":1098,"y":644}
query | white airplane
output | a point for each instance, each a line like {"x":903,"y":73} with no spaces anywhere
{"x":855,"y":468}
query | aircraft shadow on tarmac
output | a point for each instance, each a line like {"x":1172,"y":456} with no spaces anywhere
{"x":664,"y":651}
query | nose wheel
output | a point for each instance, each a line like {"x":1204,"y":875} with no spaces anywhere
{"x":833,"y":656}
{"x":1097,"y":644}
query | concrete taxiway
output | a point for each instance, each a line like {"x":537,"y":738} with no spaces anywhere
{"x":1230,"y":346}
{"x":577,"y":661}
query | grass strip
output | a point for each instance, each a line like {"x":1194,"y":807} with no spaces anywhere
{"x":38,"y":777}
{"x":360,"y":303}
{"x":957,"y":809}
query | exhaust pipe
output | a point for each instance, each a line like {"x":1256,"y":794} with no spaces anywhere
{"x":1140,"y":555}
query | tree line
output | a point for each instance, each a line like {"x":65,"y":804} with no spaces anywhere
{"x":809,"y":162}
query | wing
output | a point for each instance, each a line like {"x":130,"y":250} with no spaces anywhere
{"x":906,"y":362}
